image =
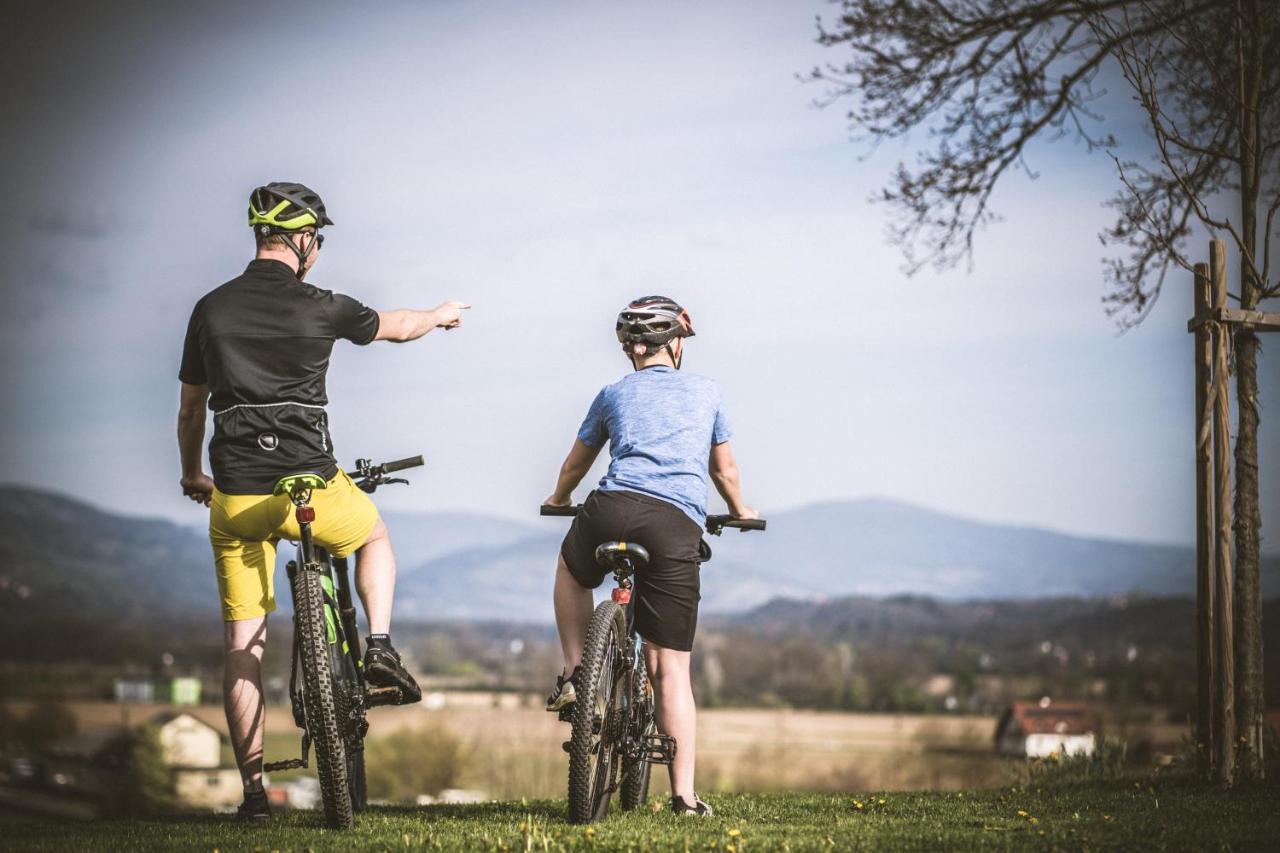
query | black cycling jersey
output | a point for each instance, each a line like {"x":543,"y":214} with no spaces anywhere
{"x":261,"y":342}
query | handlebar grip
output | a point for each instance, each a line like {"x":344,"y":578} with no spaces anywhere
{"x":401,"y":464}
{"x":719,"y":522}
{"x":559,"y":510}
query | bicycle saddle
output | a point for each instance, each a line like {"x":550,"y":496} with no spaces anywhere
{"x":305,"y":480}
{"x":621,"y":558}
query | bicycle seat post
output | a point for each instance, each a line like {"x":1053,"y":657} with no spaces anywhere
{"x":622,"y":574}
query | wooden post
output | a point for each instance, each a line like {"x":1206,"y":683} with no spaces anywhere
{"x":1204,"y":527}
{"x":1224,"y":712}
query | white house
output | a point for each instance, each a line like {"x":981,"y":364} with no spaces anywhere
{"x":193,"y":750}
{"x":1044,"y":728}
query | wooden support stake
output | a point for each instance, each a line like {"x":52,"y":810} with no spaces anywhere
{"x":1204,"y":528}
{"x":1224,"y":712}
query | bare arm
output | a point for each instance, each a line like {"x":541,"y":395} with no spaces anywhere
{"x":191,"y":417}
{"x":409,"y":324}
{"x":575,"y":467}
{"x":724,"y":473}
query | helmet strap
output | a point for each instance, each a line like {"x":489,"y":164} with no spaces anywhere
{"x":674,"y":360}
{"x":301,"y":253}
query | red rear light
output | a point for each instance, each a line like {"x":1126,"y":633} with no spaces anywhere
{"x":622,"y":596}
{"x":305,"y":515}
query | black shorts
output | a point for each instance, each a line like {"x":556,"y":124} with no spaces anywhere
{"x":667,"y":590}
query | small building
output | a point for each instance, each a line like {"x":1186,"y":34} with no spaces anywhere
{"x":1044,"y":728}
{"x":193,"y":751}
{"x":183,"y":690}
{"x":188,"y":741}
{"x":134,"y":689}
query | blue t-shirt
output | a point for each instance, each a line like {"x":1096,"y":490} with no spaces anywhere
{"x":660,"y":424}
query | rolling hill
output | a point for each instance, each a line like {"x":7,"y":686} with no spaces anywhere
{"x":63,"y":560}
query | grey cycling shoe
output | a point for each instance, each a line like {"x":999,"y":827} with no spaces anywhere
{"x":564,"y":693}
{"x":698,"y":809}
{"x":382,"y":668}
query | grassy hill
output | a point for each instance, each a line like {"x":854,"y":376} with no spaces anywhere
{"x":1117,"y":816}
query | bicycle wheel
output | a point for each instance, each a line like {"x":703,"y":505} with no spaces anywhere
{"x":346,"y":686}
{"x":635,"y":772}
{"x":322,"y":701}
{"x":597,"y":730}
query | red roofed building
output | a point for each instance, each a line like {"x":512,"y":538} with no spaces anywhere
{"x":1040,"y":729}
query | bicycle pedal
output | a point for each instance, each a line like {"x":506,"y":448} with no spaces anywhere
{"x":382,"y":696}
{"x":566,"y":714}
{"x":658,"y":749}
{"x":287,"y":764}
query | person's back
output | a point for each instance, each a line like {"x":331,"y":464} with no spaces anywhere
{"x":263,"y":341}
{"x":667,"y":433}
{"x":660,"y":424}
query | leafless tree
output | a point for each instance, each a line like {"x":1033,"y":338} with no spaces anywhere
{"x":985,"y":78}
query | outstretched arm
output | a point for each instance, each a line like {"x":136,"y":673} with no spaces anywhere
{"x":191,"y":415}
{"x":409,"y":324}
{"x":724,"y":473}
{"x":575,"y":467}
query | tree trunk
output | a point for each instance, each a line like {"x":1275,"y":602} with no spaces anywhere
{"x":1248,"y":517}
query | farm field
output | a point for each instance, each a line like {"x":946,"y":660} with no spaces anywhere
{"x":513,"y":746}
{"x":1117,"y":816}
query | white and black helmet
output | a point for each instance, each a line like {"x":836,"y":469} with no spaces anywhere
{"x":651,"y":322}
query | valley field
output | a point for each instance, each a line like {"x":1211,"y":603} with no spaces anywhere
{"x":511,"y":747}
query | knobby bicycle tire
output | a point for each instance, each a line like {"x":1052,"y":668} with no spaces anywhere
{"x":635,"y":772}
{"x":321,"y":700}
{"x":346,"y":684}
{"x":591,"y":770}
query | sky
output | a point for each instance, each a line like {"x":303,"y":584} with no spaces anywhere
{"x":547,"y":163}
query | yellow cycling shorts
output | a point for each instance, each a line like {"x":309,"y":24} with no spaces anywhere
{"x":244,"y":530}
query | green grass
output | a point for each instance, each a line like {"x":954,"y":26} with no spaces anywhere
{"x":1116,"y":816}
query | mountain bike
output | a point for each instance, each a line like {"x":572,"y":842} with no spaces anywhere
{"x":327,"y":689}
{"x":615,"y":740}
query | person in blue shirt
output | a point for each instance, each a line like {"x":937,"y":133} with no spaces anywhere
{"x":667,"y":435}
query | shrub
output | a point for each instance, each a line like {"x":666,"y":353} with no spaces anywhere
{"x":145,"y":783}
{"x":412,"y":762}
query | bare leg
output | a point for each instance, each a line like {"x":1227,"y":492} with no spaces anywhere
{"x":573,"y":613}
{"x":245,"y":640}
{"x":677,"y":715}
{"x":376,"y":578}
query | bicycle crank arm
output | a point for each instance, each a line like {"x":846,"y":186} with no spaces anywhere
{"x":288,"y":764}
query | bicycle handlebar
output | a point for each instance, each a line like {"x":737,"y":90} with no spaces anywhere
{"x":715,"y":523}
{"x":401,"y":464}
{"x":369,"y":476}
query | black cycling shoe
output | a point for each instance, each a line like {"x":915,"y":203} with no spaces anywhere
{"x":565,"y":692}
{"x":698,"y":809}
{"x":382,"y":668}
{"x":255,"y":807}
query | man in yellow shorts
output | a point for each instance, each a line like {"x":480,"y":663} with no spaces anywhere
{"x":256,"y":353}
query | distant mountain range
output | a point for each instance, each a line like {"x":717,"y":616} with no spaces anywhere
{"x":66,"y":561}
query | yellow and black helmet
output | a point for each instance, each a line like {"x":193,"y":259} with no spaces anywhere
{"x":282,"y":206}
